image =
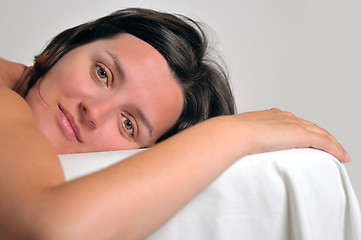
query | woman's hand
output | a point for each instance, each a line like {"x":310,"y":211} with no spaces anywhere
{"x":275,"y":130}
{"x":168,"y":175}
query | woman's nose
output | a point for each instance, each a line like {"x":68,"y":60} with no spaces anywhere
{"x":93,"y":113}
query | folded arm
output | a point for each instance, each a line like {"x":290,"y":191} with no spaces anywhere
{"x":134,"y":197}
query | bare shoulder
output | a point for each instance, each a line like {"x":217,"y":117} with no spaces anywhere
{"x":13,"y":106}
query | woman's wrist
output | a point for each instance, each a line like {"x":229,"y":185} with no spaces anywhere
{"x":230,"y":135}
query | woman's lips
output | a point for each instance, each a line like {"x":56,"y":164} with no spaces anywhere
{"x":68,"y":125}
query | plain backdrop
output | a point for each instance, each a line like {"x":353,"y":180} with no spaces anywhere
{"x":303,"y":56}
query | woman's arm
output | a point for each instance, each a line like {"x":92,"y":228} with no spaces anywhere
{"x":14,"y":75}
{"x":134,"y":197}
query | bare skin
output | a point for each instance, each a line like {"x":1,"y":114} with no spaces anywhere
{"x":44,"y":206}
{"x":118,"y":93}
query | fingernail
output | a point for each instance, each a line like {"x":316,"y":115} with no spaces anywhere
{"x":347,"y":156}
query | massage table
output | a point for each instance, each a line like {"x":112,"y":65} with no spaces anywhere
{"x":297,"y":194}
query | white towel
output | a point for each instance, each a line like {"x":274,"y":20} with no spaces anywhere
{"x":291,"y":194}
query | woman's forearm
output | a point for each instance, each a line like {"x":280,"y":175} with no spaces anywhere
{"x":130,"y":199}
{"x":134,"y":197}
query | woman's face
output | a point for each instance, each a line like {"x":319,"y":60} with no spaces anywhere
{"x":110,"y":94}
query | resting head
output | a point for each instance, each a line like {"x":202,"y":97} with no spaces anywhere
{"x":165,"y":82}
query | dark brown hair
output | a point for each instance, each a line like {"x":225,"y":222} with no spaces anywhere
{"x":179,"y":39}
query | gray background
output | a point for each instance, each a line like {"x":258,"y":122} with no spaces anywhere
{"x":303,"y":56}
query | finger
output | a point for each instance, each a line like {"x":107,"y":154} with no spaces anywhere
{"x":314,"y":127}
{"x":328,"y":143}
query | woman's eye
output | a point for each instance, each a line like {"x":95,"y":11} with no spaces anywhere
{"x":128,"y":125}
{"x":102,"y":75}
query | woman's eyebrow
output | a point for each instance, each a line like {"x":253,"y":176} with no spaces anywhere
{"x":120,"y":71}
{"x":117,"y":64}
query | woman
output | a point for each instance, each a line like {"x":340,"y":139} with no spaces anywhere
{"x":127,"y":80}
{"x":204,"y":84}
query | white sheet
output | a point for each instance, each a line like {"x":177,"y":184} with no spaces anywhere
{"x":291,"y":194}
